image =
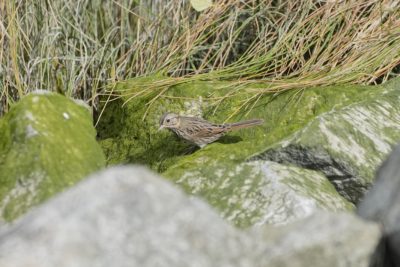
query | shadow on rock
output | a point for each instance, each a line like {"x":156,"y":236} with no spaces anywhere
{"x":230,"y":139}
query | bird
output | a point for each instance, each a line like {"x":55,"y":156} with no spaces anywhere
{"x":199,"y":131}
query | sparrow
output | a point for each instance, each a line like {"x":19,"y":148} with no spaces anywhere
{"x":199,"y":131}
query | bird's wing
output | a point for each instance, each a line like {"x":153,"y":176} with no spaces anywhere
{"x":201,"y":128}
{"x":211,"y":130}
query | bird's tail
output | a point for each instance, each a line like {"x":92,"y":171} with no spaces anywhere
{"x":245,"y":124}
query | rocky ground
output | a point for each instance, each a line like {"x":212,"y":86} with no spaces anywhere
{"x":291,"y":192}
{"x":128,"y":216}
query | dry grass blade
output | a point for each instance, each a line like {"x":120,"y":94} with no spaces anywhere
{"x":78,"y":47}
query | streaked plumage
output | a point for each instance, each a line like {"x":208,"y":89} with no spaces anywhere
{"x":199,"y":131}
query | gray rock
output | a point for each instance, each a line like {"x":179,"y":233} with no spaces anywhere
{"x":382,"y":204}
{"x":324,"y":239}
{"x":346,"y":144}
{"x":292,"y":193}
{"x":264,"y":192}
{"x":124,"y":217}
{"x":129,"y":217}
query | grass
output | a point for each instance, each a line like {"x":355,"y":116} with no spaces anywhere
{"x":81,"y":48}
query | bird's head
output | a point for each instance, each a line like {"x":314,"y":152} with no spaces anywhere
{"x":169,"y":121}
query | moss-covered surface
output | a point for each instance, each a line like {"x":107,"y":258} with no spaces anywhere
{"x":347,"y":144}
{"x":254,"y":193}
{"x":47,"y":144}
{"x":128,"y":136}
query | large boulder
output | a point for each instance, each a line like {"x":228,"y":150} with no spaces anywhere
{"x":324,"y":239}
{"x":382,"y":204}
{"x":47,"y":143}
{"x":124,"y":217}
{"x":346,"y":144}
{"x":262,"y":192}
{"x":313,"y":124}
{"x":127,"y":216}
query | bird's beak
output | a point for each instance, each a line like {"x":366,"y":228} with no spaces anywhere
{"x":161,"y":127}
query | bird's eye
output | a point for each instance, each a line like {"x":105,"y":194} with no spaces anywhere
{"x":168,"y":120}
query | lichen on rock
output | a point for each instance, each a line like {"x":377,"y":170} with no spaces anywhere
{"x":47,"y":144}
{"x":347,"y":144}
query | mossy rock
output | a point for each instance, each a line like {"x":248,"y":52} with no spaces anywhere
{"x":261,"y":192}
{"x":47,"y":144}
{"x":347,"y":144}
{"x":128,"y":133}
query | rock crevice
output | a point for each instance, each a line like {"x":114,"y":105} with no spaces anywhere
{"x":340,"y":174}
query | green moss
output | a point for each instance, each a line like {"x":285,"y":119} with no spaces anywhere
{"x":234,"y":190}
{"x":246,"y":195}
{"x":129,"y":137}
{"x":47,"y":144}
{"x":212,"y":172}
{"x":357,"y":137}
